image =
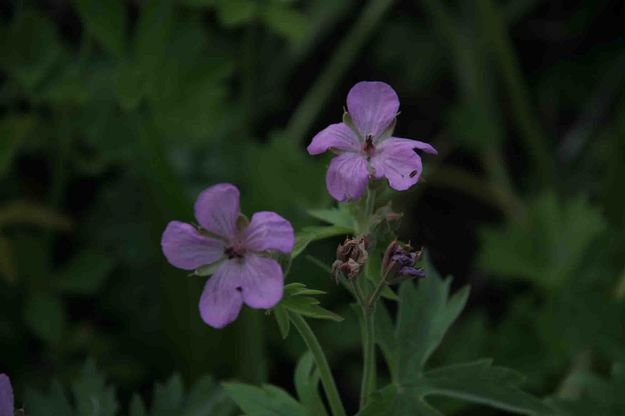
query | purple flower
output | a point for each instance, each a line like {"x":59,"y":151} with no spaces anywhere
{"x":236,"y":249}
{"x":365,"y":146}
{"x":6,"y":396}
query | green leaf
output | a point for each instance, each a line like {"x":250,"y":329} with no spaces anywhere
{"x":206,"y":398}
{"x":137,"y":408}
{"x":285,"y":21}
{"x":264,"y":401}
{"x":91,"y":394}
{"x":153,"y":34}
{"x":472,"y":126}
{"x":309,"y":234}
{"x":307,"y":385}
{"x":29,"y":213}
{"x":153,"y":30}
{"x":592,"y":394}
{"x":85,"y":273}
{"x":299,"y":299}
{"x":129,"y":85}
{"x":296,"y":288}
{"x":341,"y":216}
{"x":394,"y":400}
{"x":477,"y":382}
{"x":236,"y":12}
{"x":45,"y":316}
{"x":388,"y":293}
{"x":31,"y":48}
{"x":289,"y":194}
{"x":549,"y":246}
{"x":8,"y":269}
{"x":66,"y":84}
{"x":168,"y":397}
{"x":93,"y":397}
{"x":425,"y":314}
{"x":185,"y":91}
{"x":199,"y":3}
{"x":282,"y":318}
{"x":480,"y":382}
{"x":106,"y":21}
{"x":53,"y":402}
{"x":14,"y":129}
{"x":385,"y":336}
{"x":309,"y":306}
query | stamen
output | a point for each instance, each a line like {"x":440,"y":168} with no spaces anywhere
{"x":234,"y":252}
{"x":369,"y":147}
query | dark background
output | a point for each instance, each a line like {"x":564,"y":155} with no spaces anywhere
{"x":116,"y":114}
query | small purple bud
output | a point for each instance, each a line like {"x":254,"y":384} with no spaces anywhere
{"x":399,"y":262}
{"x":417,"y":272}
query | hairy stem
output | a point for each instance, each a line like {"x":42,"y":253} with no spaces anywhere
{"x":368,"y":349}
{"x":375,"y":295}
{"x":322,"y":364}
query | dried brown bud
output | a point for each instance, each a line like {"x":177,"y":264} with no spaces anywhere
{"x":351,"y":256}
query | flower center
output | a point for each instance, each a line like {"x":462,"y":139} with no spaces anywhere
{"x":234,"y":252}
{"x":369,"y":147}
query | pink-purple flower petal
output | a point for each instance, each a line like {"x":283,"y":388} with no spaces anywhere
{"x":262,"y":281}
{"x":413,"y":144}
{"x":372,"y":107}
{"x":217,"y":210}
{"x":222,"y":299}
{"x":336,"y":136}
{"x":268,"y":231}
{"x":347,"y":176}
{"x":399,"y":164}
{"x":187,"y":249}
{"x":6,"y":396}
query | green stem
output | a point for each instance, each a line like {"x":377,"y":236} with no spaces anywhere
{"x":376,"y":294}
{"x":343,"y":57}
{"x":357,"y":291}
{"x":368,"y":350}
{"x":487,"y":192}
{"x":619,"y":292}
{"x":535,"y":140}
{"x":322,"y":364}
{"x":370,"y":204}
{"x":366,"y":212}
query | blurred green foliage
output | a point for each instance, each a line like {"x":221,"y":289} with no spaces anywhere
{"x":115,"y":114}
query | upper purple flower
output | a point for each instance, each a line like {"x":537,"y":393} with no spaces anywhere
{"x":367,"y":148}
{"x":238,"y":250}
{"x":6,"y":396}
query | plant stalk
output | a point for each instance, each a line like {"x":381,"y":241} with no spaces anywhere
{"x":367,"y":305}
{"x":375,"y":295}
{"x":368,"y":349}
{"x":336,"y":405}
{"x":340,"y":62}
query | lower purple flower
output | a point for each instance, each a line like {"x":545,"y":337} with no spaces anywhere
{"x":236,"y":249}
{"x":365,"y":146}
{"x":6,"y":396}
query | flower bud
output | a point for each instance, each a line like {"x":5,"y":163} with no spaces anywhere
{"x":351,"y":257}
{"x":399,"y":263}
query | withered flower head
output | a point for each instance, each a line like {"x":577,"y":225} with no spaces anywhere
{"x":351,"y":257}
